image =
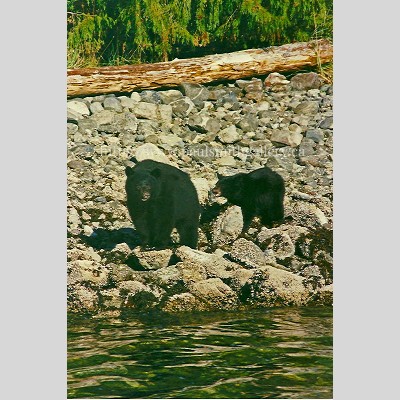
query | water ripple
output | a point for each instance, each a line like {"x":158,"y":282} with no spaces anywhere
{"x":278,"y":353}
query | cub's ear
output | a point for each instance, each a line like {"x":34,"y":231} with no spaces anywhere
{"x":219,"y":176}
{"x":156,"y":173}
{"x":129,"y":171}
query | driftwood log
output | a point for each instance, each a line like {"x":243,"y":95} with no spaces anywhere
{"x":217,"y":67}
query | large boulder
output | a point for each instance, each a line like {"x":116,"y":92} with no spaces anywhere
{"x":228,"y":226}
{"x":149,"y":151}
{"x":247,"y":253}
{"x":215,"y":294}
{"x":275,"y":287}
{"x":306,"y":81}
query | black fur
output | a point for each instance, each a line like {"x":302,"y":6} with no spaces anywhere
{"x":258,"y":193}
{"x":161,"y":197}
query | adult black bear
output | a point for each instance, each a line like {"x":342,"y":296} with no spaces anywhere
{"x":161,"y":197}
{"x":258,"y":193}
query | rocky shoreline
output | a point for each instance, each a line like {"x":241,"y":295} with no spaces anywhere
{"x":284,"y":123}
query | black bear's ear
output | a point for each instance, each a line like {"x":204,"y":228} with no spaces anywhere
{"x":156,"y":173}
{"x":219,"y":176}
{"x":129,"y":171}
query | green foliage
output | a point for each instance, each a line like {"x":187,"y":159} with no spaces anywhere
{"x":110,"y":32}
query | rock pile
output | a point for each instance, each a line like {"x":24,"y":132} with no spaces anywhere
{"x":236,"y":127}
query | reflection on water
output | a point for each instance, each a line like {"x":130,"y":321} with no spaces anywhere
{"x":276,"y":353}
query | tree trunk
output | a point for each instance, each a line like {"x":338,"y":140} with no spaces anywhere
{"x":217,"y":67}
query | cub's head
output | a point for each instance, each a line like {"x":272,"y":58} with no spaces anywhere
{"x":230,"y":187}
{"x":142,"y":185}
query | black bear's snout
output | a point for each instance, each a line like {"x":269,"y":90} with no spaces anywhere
{"x":145,"y":192}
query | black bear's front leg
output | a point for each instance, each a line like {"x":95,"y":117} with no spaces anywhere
{"x":142,"y":227}
{"x":188,"y":233}
{"x":161,"y":229}
{"x":248,"y":216}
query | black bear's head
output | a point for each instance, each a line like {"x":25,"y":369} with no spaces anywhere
{"x":230,"y":187}
{"x":143,"y":185}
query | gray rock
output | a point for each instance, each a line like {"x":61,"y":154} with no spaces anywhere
{"x":139,"y":296}
{"x":227,"y":161}
{"x":168,"y":96}
{"x":306,"y":81}
{"x":301,"y":120}
{"x":151,"y":139}
{"x":165,"y":114}
{"x":99,"y":98}
{"x":327,"y":123}
{"x":79,"y":107}
{"x":203,"y":187}
{"x":295,"y":128}
{"x":153,"y":259}
{"x":292,"y":139}
{"x":276,"y":82}
{"x":215,"y":294}
{"x":169,"y":278}
{"x":73,"y":116}
{"x":170,"y":140}
{"x":72,"y":128}
{"x":147,"y":128}
{"x":307,"y":215}
{"x":112,"y":103}
{"x":110,"y":299}
{"x":202,"y":152}
{"x":316,"y":135}
{"x":197,"y":93}
{"x":83,"y":299}
{"x":128,"y":139}
{"x":149,"y":151}
{"x":120,"y":272}
{"x":182,"y":107}
{"x":127,"y":102}
{"x":216,"y":94}
{"x":96,"y":107}
{"x":313,"y":277}
{"x":279,"y":245}
{"x":203,"y":123}
{"x":136,"y":96}
{"x":77,"y":164}
{"x":229,"y":135}
{"x":104,"y":117}
{"x":307,"y":147}
{"x":275,"y":287}
{"x":307,"y":107}
{"x":248,"y":123}
{"x":227,"y":226}
{"x":255,"y":85}
{"x":145,"y":110}
{"x":229,"y":101}
{"x":183,"y":302}
{"x":262,"y":106}
{"x":248,"y":253}
{"x":150,"y":96}
{"x":88,"y":273}
{"x":242,"y":83}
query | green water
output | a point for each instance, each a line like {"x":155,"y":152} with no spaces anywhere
{"x":275,"y":353}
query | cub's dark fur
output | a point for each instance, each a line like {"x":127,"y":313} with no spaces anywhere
{"x":258,"y":193}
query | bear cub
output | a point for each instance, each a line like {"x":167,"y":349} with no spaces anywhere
{"x":161,"y":197}
{"x":258,"y":193}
